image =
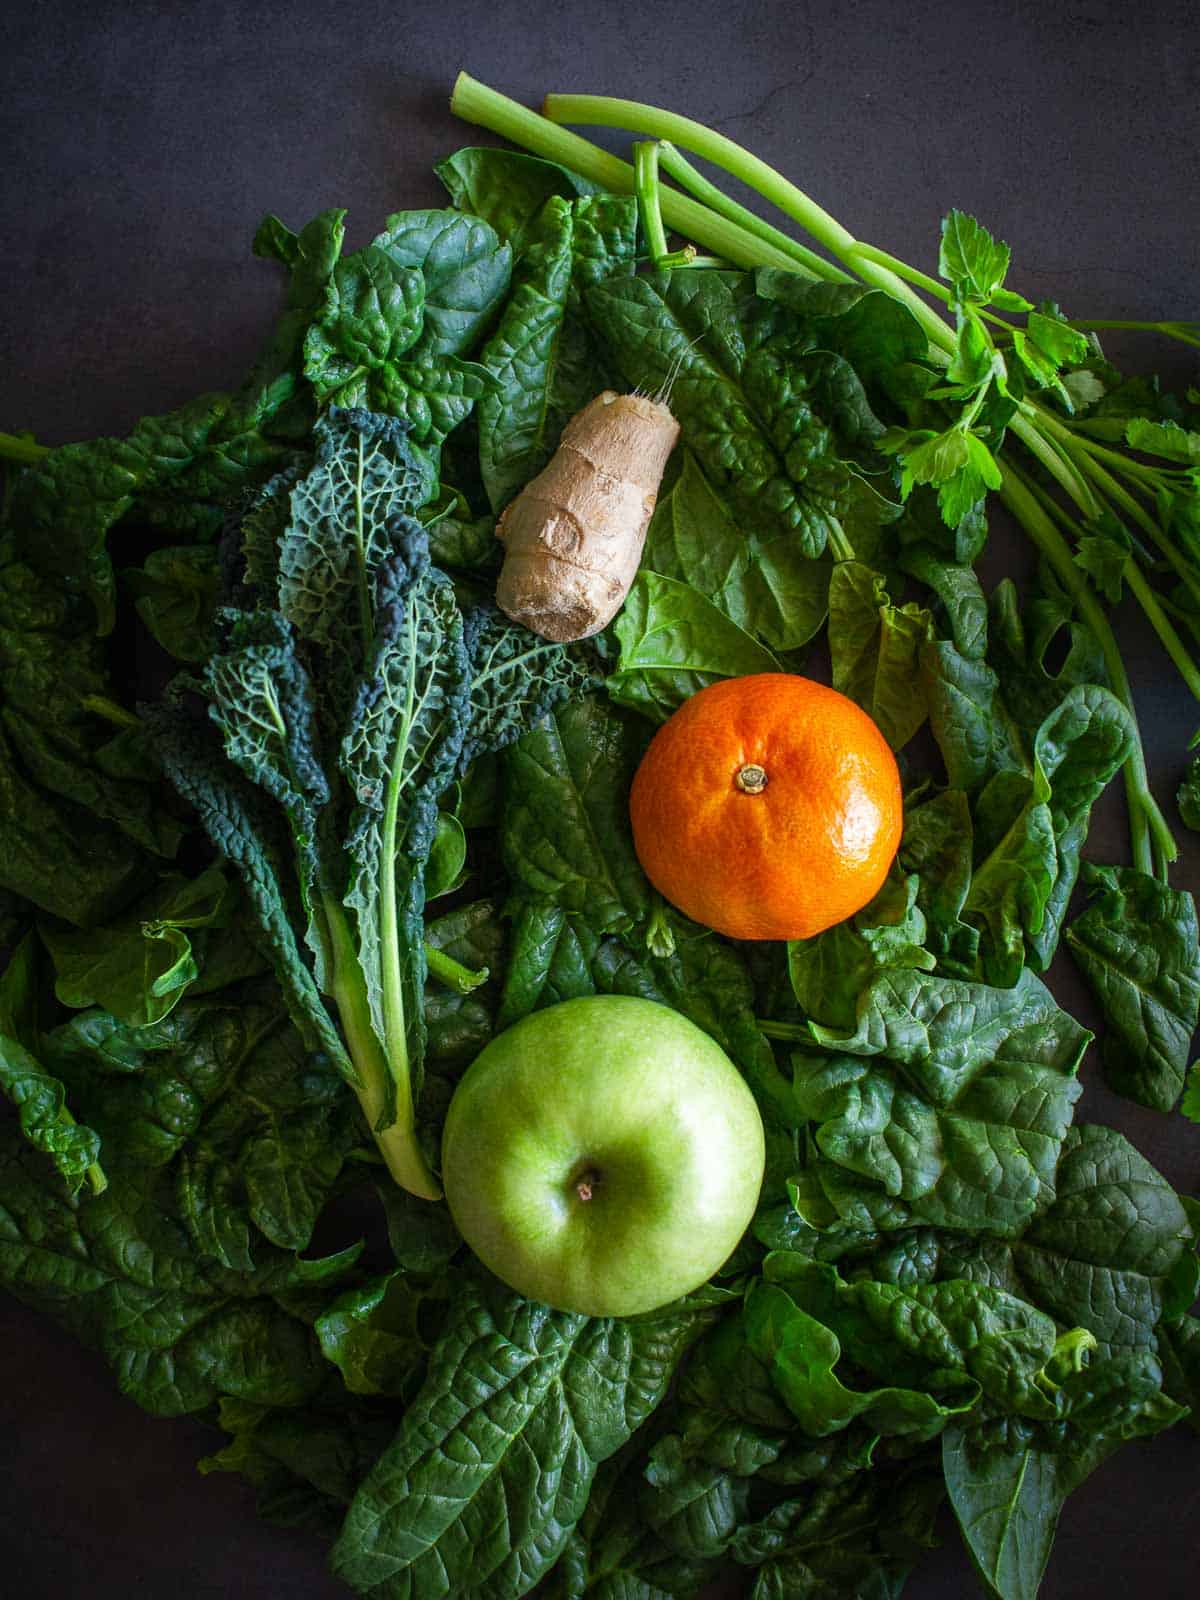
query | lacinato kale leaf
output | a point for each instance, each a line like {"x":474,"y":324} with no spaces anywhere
{"x":351,"y":698}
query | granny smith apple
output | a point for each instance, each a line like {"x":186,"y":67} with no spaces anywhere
{"x":603,"y":1155}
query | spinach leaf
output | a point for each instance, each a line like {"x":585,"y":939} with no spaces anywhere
{"x":120,"y":1273}
{"x":493,"y":1462}
{"x":860,"y":1535}
{"x":874,"y":648}
{"x":466,"y":272}
{"x":752,"y":426}
{"x":254,"y":1127}
{"x":38,"y":1096}
{"x":542,"y":353}
{"x":1007,"y":1482}
{"x":176,"y":597}
{"x":937,"y":846}
{"x":878,"y":335}
{"x":565,"y":834}
{"x":767,"y":586}
{"x":550,"y":959}
{"x":614,"y":1550}
{"x":507,"y":188}
{"x":801,"y":1354}
{"x":1136,"y":944}
{"x":375,"y":1334}
{"x":139,"y":967}
{"x":1188,"y":796}
{"x":1079,"y":748}
{"x":960,"y":695}
{"x":305,"y":1462}
{"x":959,"y":1118}
{"x":830,"y":971}
{"x":1101,"y":1255}
{"x":1030,"y":831}
{"x":674,"y":643}
{"x":74,"y":822}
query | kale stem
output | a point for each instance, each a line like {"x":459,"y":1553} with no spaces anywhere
{"x":453,"y":973}
{"x":101,"y":706}
{"x":645,"y":167}
{"x":677,"y":166}
{"x":1146,"y":821}
{"x":474,"y":102}
{"x":397,"y":1142}
{"x":633,"y":117}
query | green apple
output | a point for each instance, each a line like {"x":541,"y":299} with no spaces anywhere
{"x":603,"y":1155}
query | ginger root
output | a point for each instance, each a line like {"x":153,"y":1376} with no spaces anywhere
{"x":573,"y":537}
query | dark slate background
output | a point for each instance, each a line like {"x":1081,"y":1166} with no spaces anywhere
{"x":140,"y":145}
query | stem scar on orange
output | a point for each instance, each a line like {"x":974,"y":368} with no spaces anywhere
{"x":767,"y":807}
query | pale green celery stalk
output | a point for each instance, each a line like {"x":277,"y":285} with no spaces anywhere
{"x":397,"y":1142}
{"x":884,"y":258}
{"x":474,"y":102}
{"x":631,"y":115}
{"x":676,"y":165}
{"x":646,"y":185}
{"x":23,"y":451}
{"x":1149,"y":834}
{"x":1058,"y":442}
{"x":1137,"y":513}
{"x":1185,"y":332}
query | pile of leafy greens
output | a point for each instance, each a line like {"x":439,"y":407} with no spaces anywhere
{"x":258,"y":717}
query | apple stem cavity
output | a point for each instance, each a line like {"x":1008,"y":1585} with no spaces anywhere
{"x":751,"y":779}
{"x":585,"y":1185}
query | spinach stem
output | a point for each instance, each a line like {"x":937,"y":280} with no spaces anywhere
{"x":23,"y":451}
{"x":474,"y":102}
{"x":646,"y":185}
{"x":97,"y":1178}
{"x":453,"y":973}
{"x":676,"y":165}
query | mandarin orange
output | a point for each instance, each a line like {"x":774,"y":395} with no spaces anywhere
{"x":767,"y":807}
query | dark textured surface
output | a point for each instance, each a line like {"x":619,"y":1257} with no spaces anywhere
{"x":143,"y":143}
